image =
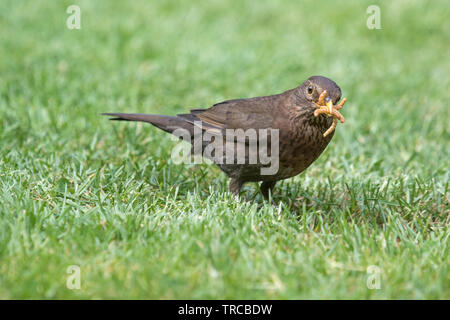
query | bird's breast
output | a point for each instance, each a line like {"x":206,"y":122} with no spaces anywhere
{"x":302,"y":144}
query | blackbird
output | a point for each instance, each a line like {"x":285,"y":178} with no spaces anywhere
{"x":304,"y":118}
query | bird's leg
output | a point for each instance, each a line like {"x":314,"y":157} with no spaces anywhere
{"x":267,"y":189}
{"x":235,"y":186}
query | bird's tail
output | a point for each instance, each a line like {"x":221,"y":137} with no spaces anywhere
{"x":166,"y":123}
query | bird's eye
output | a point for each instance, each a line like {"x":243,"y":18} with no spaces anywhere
{"x":310,"y":90}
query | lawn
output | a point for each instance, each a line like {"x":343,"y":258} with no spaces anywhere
{"x":368,"y":220}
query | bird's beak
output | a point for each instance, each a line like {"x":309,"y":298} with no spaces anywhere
{"x":330,"y":105}
{"x":325,"y":101}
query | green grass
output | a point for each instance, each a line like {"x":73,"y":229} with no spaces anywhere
{"x":77,"y":189}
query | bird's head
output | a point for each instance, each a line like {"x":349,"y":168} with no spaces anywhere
{"x":310,"y":91}
{"x":317,"y":98}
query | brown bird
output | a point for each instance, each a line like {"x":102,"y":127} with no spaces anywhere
{"x":302,"y":119}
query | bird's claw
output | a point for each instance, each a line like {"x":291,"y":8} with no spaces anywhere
{"x":329,"y":109}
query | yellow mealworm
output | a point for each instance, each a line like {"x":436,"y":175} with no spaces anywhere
{"x":331,"y":110}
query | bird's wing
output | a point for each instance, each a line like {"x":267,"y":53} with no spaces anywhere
{"x":256,"y":113}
